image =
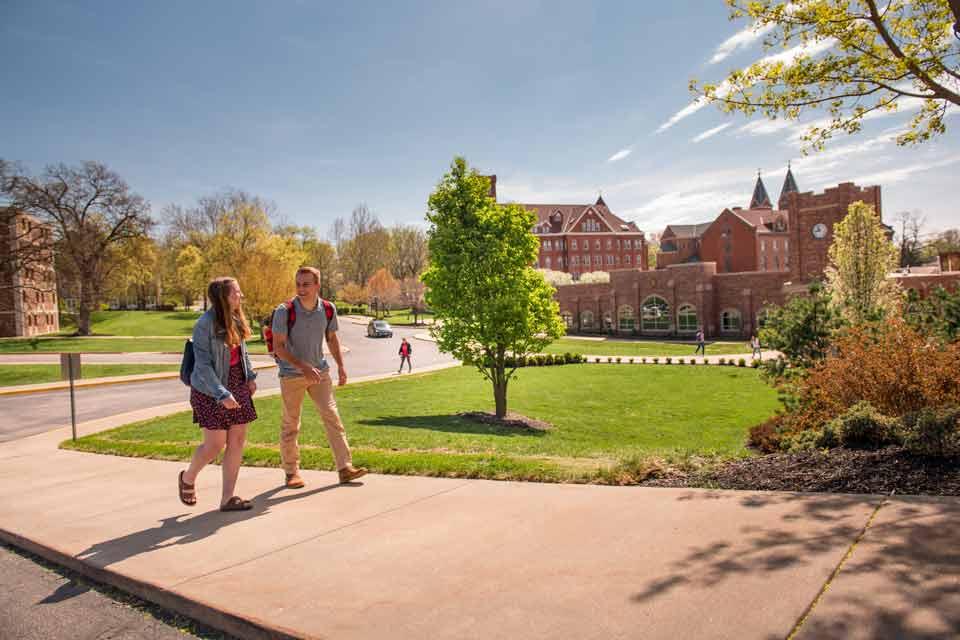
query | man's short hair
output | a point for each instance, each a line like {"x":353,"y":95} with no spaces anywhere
{"x":314,"y":271}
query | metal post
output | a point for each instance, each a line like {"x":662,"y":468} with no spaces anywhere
{"x":70,"y":362}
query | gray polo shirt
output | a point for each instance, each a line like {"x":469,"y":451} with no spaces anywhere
{"x":305,"y":341}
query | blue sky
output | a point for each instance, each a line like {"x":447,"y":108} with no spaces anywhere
{"x":319,"y":106}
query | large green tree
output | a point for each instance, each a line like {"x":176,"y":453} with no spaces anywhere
{"x":861,"y":257}
{"x":802,"y":328}
{"x":487,"y":298}
{"x":850,"y":57}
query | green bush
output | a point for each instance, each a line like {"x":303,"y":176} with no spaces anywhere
{"x":631,"y":360}
{"x":656,"y":361}
{"x":597,"y":360}
{"x":863,"y":427}
{"x":933,"y":431}
{"x":618,"y":359}
{"x":643,"y":360}
{"x":722,"y":361}
{"x":741,"y":363}
{"x":669,"y":360}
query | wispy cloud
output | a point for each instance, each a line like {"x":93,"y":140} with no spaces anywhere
{"x":740,"y":40}
{"x":900,"y":174}
{"x":788,"y":58}
{"x":620,"y":155}
{"x":709,"y":133}
{"x":765,"y":127}
{"x":684,"y":208}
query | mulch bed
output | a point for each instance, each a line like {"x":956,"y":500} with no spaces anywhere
{"x":511,"y":420}
{"x":837,"y":471}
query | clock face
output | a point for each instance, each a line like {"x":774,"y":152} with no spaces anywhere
{"x":819,"y":230}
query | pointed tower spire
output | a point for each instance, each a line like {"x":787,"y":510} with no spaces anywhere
{"x":600,"y":200}
{"x":760,"y":198}
{"x":789,"y":186}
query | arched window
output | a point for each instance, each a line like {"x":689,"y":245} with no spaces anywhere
{"x":730,"y":321}
{"x":625,"y":318}
{"x":567,"y":319}
{"x":687,"y":320}
{"x":586,"y":319}
{"x":655,"y":314}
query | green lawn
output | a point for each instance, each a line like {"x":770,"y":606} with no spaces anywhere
{"x":641,"y":347}
{"x":608,"y":420}
{"x":402,"y":317}
{"x":47,"y":344}
{"x":139,"y":323}
{"x":16,"y":374}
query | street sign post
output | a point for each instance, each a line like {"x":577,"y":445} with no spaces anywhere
{"x":70,"y":370}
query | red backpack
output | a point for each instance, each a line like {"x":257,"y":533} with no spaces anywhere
{"x":291,"y":319}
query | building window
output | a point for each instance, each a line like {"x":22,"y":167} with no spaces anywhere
{"x":609,"y":243}
{"x":655,"y":314}
{"x":586,"y":319}
{"x":609,"y":259}
{"x":786,"y":245}
{"x":626,"y":259}
{"x":687,"y":320}
{"x":764,"y":263}
{"x":776,"y":262}
{"x":639,"y":259}
{"x":596,"y":244}
{"x":763,"y":246}
{"x":576,"y":260}
{"x":573,"y":243}
{"x":547,"y":245}
{"x":598,"y":260}
{"x":774,"y":245}
{"x":547,"y":262}
{"x":730,"y":321}
{"x":761,"y":318}
{"x":625,"y":318}
{"x":628,"y":244}
{"x":567,"y":319}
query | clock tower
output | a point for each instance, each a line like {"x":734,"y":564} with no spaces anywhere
{"x":812,"y":218}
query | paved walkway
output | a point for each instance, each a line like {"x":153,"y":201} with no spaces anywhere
{"x":410,"y":557}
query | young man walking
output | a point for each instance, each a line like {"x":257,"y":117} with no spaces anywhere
{"x":304,"y":370}
{"x":405,"y":351}
{"x":701,"y":343}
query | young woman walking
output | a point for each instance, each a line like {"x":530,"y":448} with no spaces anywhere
{"x":221,"y":391}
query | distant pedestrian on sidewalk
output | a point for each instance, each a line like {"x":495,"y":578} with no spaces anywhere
{"x":222,"y":385}
{"x":299,"y":327}
{"x":701,"y":344}
{"x":755,"y":345}
{"x":406,"y":350}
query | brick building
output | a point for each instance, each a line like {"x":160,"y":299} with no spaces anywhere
{"x":727,"y":271}
{"x":579,"y":238}
{"x":28,"y":299}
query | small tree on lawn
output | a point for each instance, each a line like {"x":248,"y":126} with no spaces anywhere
{"x":861,"y":256}
{"x":487,"y":298}
{"x":802,"y":328}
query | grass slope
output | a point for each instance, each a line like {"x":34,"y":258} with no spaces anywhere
{"x":17,"y":374}
{"x":605,"y":418}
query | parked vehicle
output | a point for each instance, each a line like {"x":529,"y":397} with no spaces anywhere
{"x":379,"y":329}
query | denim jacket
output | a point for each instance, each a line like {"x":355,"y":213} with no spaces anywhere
{"x":211,"y":369}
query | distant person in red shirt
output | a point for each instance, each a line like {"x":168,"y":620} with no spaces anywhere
{"x":405,"y":351}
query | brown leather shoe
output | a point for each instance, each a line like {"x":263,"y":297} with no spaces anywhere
{"x":351,"y":473}
{"x":294,"y":481}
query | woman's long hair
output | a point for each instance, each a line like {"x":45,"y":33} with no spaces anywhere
{"x":236,"y":331}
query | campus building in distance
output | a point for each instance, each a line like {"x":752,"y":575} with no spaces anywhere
{"x":718,"y":275}
{"x":28,"y":298}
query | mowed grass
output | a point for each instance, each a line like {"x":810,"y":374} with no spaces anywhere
{"x":401,"y":317}
{"x":17,"y":374}
{"x":136,"y":323}
{"x":48,"y":344}
{"x":606,"y":419}
{"x":641,"y":347}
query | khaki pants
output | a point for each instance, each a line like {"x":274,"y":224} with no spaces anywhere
{"x":292,"y":391}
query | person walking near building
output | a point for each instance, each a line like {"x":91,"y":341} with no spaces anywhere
{"x":406,"y":350}
{"x":701,"y":343}
{"x":299,"y":328}
{"x":222,"y":385}
{"x":755,"y":345}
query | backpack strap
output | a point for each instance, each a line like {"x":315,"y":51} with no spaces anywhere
{"x":291,"y":315}
{"x":327,"y":309}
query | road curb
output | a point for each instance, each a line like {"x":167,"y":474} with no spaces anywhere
{"x":237,"y":625}
{"x":102,"y":382}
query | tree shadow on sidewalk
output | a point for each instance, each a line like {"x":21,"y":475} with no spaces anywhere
{"x":908,"y":559}
{"x":184,"y":529}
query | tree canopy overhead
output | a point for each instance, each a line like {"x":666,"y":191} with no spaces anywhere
{"x":853,"y":58}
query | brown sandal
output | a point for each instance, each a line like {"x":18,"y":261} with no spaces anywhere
{"x":188,"y":492}
{"x":236,"y":503}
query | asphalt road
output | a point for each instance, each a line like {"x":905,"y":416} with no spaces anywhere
{"x":24,"y":415}
{"x":42,"y":602}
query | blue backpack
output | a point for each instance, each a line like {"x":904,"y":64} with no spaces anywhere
{"x":186,"y":364}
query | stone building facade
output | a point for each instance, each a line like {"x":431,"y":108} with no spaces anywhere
{"x":725,"y":287}
{"x":28,"y":299}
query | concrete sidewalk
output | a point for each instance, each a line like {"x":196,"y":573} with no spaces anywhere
{"x":410,"y":557}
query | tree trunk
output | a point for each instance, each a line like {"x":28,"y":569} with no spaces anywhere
{"x":500,"y":389}
{"x":83,"y":311}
